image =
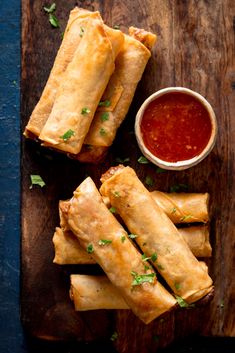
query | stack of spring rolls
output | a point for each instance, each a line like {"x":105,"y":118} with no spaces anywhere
{"x":92,"y":231}
{"x":90,"y":87}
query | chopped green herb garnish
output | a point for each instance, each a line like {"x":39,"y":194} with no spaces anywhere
{"x":154,"y":257}
{"x":112,"y":209}
{"x":116,"y":193}
{"x":173,"y":210}
{"x":146,"y":268}
{"x":67,"y":135}
{"x":222,"y":304}
{"x":149,"y":181}
{"x":50,"y":9}
{"x":85,"y":111}
{"x":104,"y":242}
{"x":160,"y":267}
{"x":122,"y":160}
{"x":177,"y":286}
{"x":82,"y":30}
{"x":114,"y":336}
{"x":116,"y":27}
{"x":123,"y":238}
{"x":132,"y":236}
{"x":102,"y":131}
{"x":104,"y":116}
{"x":178,"y":187}
{"x":182,"y":303}
{"x":160,"y":170}
{"x":90,"y":249}
{"x":105,"y":103}
{"x":36,"y":180}
{"x":139,"y":279}
{"x":54,"y":21}
{"x":143,"y":160}
{"x":184,"y":218}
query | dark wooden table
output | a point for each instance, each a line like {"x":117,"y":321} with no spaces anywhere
{"x":195,"y":49}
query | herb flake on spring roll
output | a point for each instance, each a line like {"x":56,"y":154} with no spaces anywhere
{"x":155,"y":233}
{"x":101,"y":235}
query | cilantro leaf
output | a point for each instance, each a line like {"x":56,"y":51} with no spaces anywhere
{"x":132,"y":236}
{"x":36,"y":180}
{"x":140,"y":279}
{"x":50,"y":9}
{"x":112,"y":209}
{"x":85,"y":111}
{"x":143,"y":160}
{"x":67,"y":135}
{"x":54,"y":21}
{"x":104,"y":242}
{"x":114,"y":336}
{"x":90,"y":249}
{"x":105,"y":103}
{"x":149,"y":181}
{"x":102,"y":132}
{"x":104,"y":116}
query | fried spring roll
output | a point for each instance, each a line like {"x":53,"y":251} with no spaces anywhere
{"x":94,"y":292}
{"x":78,"y":21}
{"x":129,"y":67}
{"x":156,"y":234}
{"x":183,"y":207}
{"x":101,"y":234}
{"x":78,"y":95}
{"x":69,"y":251}
{"x":97,"y":292}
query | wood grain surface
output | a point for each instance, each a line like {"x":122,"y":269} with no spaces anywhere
{"x":195,"y":49}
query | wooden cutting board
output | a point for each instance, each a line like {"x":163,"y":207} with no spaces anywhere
{"x":195,"y":49}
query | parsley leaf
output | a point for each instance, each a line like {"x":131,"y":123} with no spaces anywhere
{"x":177,"y":286}
{"x":104,"y":242}
{"x":153,"y":257}
{"x":54,"y":21}
{"x":182,"y":303}
{"x":123,"y":238}
{"x":143,"y":160}
{"x":122,"y":160}
{"x":50,"y":9}
{"x":149,"y":181}
{"x":178,"y":187}
{"x":140,"y":279}
{"x":104,"y":116}
{"x":105,"y":103}
{"x":102,"y":132}
{"x":90,"y":249}
{"x":67,"y":135}
{"x":112,"y":209}
{"x":114,"y":336}
{"x":85,"y":111}
{"x":36,"y":180}
{"x":132,"y":236}
{"x":160,"y":170}
{"x":184,"y":218}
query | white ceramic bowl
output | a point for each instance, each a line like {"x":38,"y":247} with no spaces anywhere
{"x":181,"y":164}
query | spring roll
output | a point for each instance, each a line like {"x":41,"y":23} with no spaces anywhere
{"x":78,"y":21}
{"x":156,"y":234}
{"x":97,"y":292}
{"x":94,"y":292}
{"x":183,"y":207}
{"x":69,"y":251}
{"x":78,"y":95}
{"x":116,"y":100}
{"x":101,"y":235}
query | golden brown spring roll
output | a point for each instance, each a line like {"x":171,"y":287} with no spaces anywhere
{"x":156,"y":234}
{"x":129,"y":67}
{"x":95,"y":292}
{"x":78,"y":95}
{"x":183,"y":207}
{"x":69,"y":251}
{"x":78,"y":21}
{"x":101,"y":235}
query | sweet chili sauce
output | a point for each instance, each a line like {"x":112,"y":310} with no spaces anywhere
{"x":175,"y":127}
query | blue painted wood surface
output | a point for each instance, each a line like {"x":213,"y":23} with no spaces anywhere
{"x":11,"y":336}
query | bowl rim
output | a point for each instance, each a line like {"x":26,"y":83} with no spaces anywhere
{"x":180,"y":165}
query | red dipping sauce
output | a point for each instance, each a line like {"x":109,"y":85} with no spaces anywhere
{"x":175,"y":127}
